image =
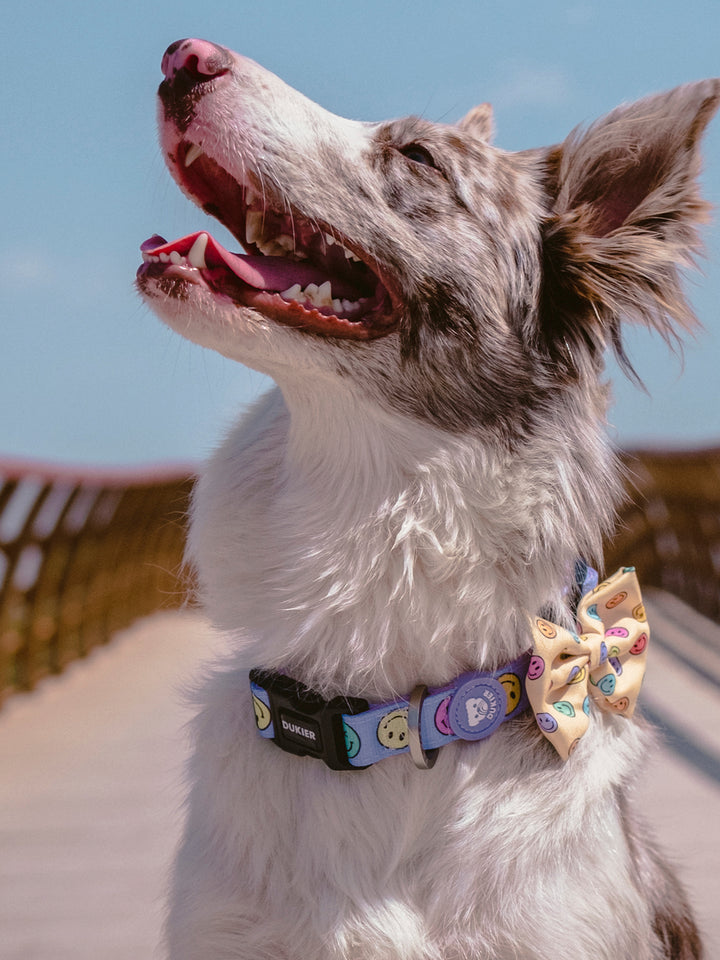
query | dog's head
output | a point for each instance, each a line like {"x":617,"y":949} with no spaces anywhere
{"x":414,"y":262}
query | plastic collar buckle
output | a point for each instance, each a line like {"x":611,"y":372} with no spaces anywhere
{"x":304,"y":723}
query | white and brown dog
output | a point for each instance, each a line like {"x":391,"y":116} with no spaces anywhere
{"x":377,"y":534}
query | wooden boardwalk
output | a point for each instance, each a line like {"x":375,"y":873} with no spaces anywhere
{"x":90,"y":785}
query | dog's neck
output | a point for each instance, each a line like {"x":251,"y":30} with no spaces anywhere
{"x":391,"y":552}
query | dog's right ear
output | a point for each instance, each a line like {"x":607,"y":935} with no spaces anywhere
{"x":625,"y":208}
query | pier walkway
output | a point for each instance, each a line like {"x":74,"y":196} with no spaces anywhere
{"x":90,"y":784}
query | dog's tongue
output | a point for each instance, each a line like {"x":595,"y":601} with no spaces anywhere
{"x":273,"y":274}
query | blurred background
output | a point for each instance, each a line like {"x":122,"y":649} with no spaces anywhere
{"x":87,"y":373}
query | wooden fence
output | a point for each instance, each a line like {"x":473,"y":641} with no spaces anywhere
{"x":670,"y":527}
{"x":84,"y":553}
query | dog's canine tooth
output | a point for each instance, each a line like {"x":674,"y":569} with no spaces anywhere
{"x":196,"y":254}
{"x":193,"y":153}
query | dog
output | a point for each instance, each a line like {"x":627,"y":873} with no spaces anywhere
{"x":407,"y":508}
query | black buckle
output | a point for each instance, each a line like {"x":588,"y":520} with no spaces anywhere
{"x":304,"y":723}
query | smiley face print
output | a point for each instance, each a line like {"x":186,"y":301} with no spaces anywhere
{"x":616,"y":600}
{"x":352,"y":740}
{"x":546,"y":628}
{"x":536,"y":668}
{"x":639,"y":613}
{"x":607,"y":684}
{"x":577,"y":674}
{"x":620,"y":705}
{"x":392,"y":731}
{"x":442,"y":723}
{"x":547,"y":723}
{"x":262,"y":713}
{"x":511,"y":685}
{"x":637,"y":648}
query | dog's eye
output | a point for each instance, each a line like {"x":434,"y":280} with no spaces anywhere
{"x":418,"y":154}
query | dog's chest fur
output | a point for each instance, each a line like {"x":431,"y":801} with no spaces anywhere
{"x":364,"y":553}
{"x":332,"y":559}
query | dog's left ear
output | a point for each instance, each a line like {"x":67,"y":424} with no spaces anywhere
{"x":479,"y":122}
{"x":625,"y":207}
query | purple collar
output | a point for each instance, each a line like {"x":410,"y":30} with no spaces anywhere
{"x":349,"y":733}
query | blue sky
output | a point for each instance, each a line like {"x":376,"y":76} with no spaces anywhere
{"x":87,"y":374}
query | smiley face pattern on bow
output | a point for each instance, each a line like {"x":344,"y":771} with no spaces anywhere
{"x":604,"y":664}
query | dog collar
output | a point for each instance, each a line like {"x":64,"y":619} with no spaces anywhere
{"x":349,"y":733}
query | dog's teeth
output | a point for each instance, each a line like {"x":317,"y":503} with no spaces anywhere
{"x":164,"y":257}
{"x":348,"y":305}
{"x":250,"y":196}
{"x":349,"y":255}
{"x":175,"y":257}
{"x":253,"y":226}
{"x":324,"y":295}
{"x":286,"y":242}
{"x":318,"y":296}
{"x":193,"y":153}
{"x":270,"y":249}
{"x":292,"y":293}
{"x":196,"y":254}
{"x":329,"y":240}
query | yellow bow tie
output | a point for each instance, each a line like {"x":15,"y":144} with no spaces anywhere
{"x":604,"y":664}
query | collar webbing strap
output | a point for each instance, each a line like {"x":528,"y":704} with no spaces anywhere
{"x":350,"y":733}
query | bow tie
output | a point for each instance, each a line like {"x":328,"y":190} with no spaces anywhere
{"x":604,"y":663}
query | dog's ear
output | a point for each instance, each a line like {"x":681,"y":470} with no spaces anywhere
{"x":479,"y":122}
{"x":625,"y":207}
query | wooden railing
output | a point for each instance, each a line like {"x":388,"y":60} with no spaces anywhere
{"x":84,"y":553}
{"x":670,"y":527}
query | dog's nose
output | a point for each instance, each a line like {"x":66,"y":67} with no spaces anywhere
{"x":198,"y":60}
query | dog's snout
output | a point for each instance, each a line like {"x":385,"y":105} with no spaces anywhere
{"x":196,"y":60}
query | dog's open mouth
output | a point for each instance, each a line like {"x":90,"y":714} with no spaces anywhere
{"x":294,"y":271}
